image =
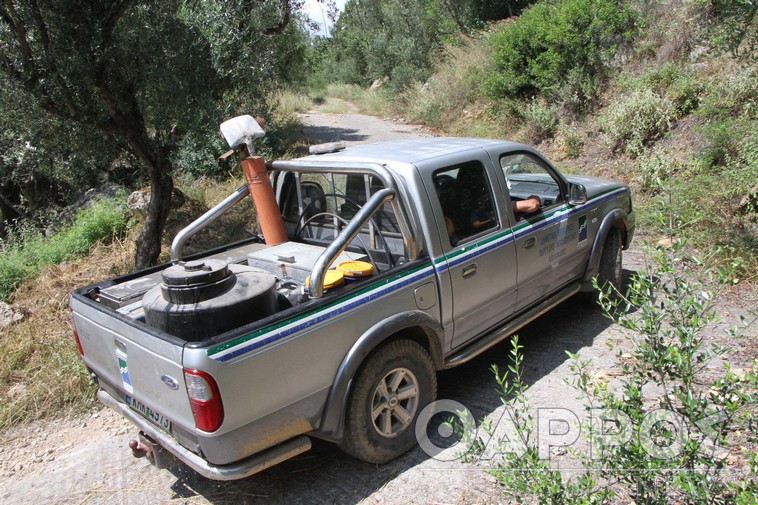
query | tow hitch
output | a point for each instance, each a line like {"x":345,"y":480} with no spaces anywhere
{"x":152,"y":450}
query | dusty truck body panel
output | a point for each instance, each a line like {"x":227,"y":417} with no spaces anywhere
{"x":435,"y":266}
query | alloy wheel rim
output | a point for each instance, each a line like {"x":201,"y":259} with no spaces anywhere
{"x":395,"y":402}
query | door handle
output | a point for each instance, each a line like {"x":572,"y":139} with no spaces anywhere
{"x":529,"y":243}
{"x":469,"y":270}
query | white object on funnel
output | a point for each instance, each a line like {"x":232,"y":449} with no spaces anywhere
{"x":242,"y":130}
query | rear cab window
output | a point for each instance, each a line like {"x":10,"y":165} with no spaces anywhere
{"x":465,"y":196}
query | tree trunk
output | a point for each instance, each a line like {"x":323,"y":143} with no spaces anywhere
{"x":9,"y":213}
{"x":149,"y":242}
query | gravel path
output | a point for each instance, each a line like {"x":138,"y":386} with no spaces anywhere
{"x":86,"y":460}
{"x":356,"y":128}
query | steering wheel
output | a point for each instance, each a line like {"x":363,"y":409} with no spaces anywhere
{"x":358,"y":207}
{"x":385,"y":245}
{"x":363,"y":246}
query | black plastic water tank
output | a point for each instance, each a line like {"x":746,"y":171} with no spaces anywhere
{"x":200,"y":299}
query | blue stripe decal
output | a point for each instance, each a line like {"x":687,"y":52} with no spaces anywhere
{"x":314,"y":319}
{"x":440,"y":265}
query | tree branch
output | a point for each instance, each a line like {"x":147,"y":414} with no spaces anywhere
{"x":44,"y":36}
{"x":286,"y":11}
{"x":16,"y":24}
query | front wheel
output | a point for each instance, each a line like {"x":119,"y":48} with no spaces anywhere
{"x":391,"y":389}
{"x":610,"y":264}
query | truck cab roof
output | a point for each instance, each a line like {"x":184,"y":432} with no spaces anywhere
{"x":403,"y":153}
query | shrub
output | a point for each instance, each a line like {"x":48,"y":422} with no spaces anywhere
{"x":541,"y":121}
{"x":662,"y":433}
{"x":671,"y":80}
{"x":731,"y":26}
{"x":731,"y":93}
{"x":553,"y":45}
{"x":655,"y":168}
{"x":730,"y":114}
{"x":573,"y":141}
{"x":455,"y":86}
{"x":636,"y":119}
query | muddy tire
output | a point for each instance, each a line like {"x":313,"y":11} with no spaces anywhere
{"x":610,"y":263}
{"x":390,"y":390}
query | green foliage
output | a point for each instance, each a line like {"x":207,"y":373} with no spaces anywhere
{"x":635,"y":119}
{"x":731,"y":93}
{"x":572,"y":140}
{"x":395,"y":39}
{"x":562,"y":49}
{"x":541,"y":120}
{"x":668,"y":307}
{"x":732,"y":26}
{"x":681,"y":86}
{"x":455,"y":87}
{"x":522,"y":472}
{"x":672,"y":417}
{"x":291,"y":102}
{"x":148,"y":82}
{"x":730,"y":112}
{"x":23,"y":257}
{"x":656,"y":168}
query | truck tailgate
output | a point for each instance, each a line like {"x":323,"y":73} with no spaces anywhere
{"x":141,"y":369}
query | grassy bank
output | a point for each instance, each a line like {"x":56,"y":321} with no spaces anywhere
{"x":675,"y":116}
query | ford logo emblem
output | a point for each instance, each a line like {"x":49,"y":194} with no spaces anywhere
{"x":170,"y":382}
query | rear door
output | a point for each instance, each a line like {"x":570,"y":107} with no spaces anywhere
{"x":478,"y":267}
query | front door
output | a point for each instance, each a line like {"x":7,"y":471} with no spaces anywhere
{"x":548,"y":241}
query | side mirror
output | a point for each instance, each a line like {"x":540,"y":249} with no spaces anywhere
{"x":577,"y":194}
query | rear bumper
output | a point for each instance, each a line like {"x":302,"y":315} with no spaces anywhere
{"x":232,"y":471}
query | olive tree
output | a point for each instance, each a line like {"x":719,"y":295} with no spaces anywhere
{"x":144,"y":74}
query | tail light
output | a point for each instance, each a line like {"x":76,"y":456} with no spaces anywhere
{"x":76,"y":334}
{"x":205,"y":400}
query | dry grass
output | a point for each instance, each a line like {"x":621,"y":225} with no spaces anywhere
{"x":41,"y":372}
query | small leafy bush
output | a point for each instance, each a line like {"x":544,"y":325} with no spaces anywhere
{"x":553,"y":45}
{"x":654,"y":169}
{"x":731,"y":93}
{"x":573,"y":141}
{"x":729,"y":111}
{"x":635,"y":119}
{"x":673,"y":81}
{"x":664,"y":432}
{"x":729,"y":144}
{"x":541,"y":120}
{"x":731,"y":26}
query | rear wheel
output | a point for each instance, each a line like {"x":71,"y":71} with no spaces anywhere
{"x":391,"y":389}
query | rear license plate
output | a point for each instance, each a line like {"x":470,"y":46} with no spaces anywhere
{"x":148,"y":413}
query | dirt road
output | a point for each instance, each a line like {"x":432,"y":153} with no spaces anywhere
{"x":85,"y":459}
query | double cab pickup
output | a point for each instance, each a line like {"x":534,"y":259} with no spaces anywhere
{"x":378,"y":265}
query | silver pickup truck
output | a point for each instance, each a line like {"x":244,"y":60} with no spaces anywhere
{"x":387,"y":262}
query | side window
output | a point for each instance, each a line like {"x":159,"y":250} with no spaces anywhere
{"x":466,"y":200}
{"x":528,"y":178}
